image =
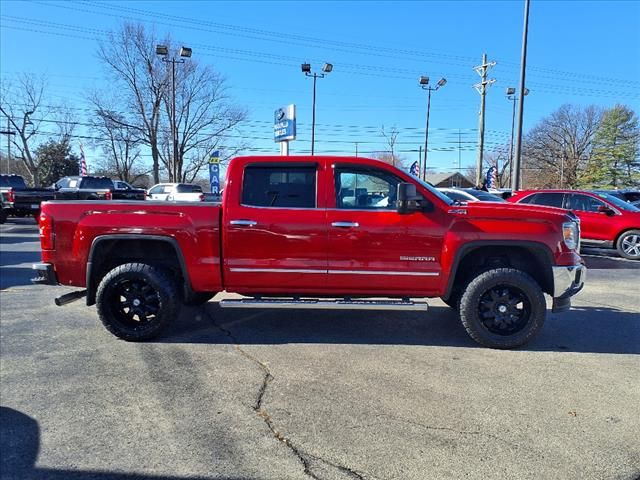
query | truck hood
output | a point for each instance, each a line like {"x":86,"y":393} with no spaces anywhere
{"x":511,"y":211}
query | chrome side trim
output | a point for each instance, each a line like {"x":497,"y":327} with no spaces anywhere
{"x":277,"y":270}
{"x":245,"y":223}
{"x":384,"y":272}
{"x":315,"y":304}
{"x":339,"y":272}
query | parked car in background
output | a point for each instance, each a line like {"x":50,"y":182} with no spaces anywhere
{"x":458,"y":195}
{"x":17,"y":199}
{"x":605,"y":220}
{"x":186,"y":192}
{"x":160,"y":191}
{"x":485,"y":196}
{"x":94,"y":188}
{"x":628,"y":195}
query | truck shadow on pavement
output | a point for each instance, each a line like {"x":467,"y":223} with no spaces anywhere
{"x":583,"y":329}
{"x":20,"y":446}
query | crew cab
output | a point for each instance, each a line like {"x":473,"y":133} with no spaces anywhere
{"x":315,"y":233}
{"x":94,"y":188}
{"x":606,"y":220}
{"x":17,"y":199}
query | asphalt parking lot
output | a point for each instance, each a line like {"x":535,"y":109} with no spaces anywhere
{"x":323,"y":395}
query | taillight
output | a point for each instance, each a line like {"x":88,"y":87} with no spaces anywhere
{"x":108,"y":195}
{"x":47,"y":237}
{"x":11,"y":196}
{"x":202,"y":197}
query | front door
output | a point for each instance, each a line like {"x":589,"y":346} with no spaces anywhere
{"x":374,"y":249}
{"x":275,"y":236}
{"x":594,"y":225}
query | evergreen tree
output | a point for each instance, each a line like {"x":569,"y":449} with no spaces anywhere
{"x":615,"y":159}
{"x":55,"y":161}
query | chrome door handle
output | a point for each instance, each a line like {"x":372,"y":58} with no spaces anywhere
{"x":345,"y":224}
{"x":244,"y":223}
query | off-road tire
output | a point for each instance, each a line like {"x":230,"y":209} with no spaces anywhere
{"x":198,"y":298}
{"x":491,"y":292}
{"x":135,"y":289}
{"x":628,"y":246}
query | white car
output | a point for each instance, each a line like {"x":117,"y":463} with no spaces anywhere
{"x":186,"y":192}
{"x":176,"y":192}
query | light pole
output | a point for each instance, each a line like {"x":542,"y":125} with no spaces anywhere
{"x":306,"y":69}
{"x":424,"y":84}
{"x":163,"y":51}
{"x":511,"y":95}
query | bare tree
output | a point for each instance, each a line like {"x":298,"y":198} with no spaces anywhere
{"x":391,"y":136}
{"x":556,"y":151}
{"x":138,"y":76}
{"x":205,"y":119}
{"x":21,"y":102}
{"x":120,"y":146}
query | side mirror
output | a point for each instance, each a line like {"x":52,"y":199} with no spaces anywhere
{"x":409,"y":201}
{"x":606,"y":210}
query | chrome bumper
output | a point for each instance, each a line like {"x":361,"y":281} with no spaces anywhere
{"x":567,"y":281}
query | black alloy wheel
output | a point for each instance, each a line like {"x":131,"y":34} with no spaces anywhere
{"x":502,"y":308}
{"x":136,"y":301}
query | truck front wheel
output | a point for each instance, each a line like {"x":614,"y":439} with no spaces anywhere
{"x":503,"y":308}
{"x":136,"y":301}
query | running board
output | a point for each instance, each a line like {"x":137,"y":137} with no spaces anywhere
{"x":315,"y":304}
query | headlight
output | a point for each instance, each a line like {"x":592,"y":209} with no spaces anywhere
{"x":570,"y":235}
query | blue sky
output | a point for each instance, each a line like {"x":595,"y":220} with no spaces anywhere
{"x":579,"y":52}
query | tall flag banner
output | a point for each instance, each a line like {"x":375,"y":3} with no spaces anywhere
{"x":491,"y":180}
{"x":214,"y":172}
{"x":83,"y":163}
{"x":415,"y":169}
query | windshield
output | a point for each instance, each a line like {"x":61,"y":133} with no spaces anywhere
{"x":188,"y":188}
{"x":621,"y":204}
{"x":97,"y":183}
{"x":435,"y":191}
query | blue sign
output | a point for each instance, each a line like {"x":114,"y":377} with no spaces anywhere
{"x":214,"y":172}
{"x":284,"y":124}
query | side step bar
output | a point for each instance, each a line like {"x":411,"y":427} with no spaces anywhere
{"x":316,"y":304}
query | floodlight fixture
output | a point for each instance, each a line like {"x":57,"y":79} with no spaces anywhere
{"x":162,"y":50}
{"x":327,"y":67}
{"x":424,"y":80}
{"x":511,"y":91}
{"x":526,"y":92}
{"x":185,"y":52}
{"x":306,"y":68}
{"x":441,"y":82}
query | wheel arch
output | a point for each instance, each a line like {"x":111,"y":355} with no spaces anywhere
{"x":532,"y":257}
{"x":109,"y":251}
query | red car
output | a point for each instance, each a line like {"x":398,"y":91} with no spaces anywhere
{"x":605,"y":220}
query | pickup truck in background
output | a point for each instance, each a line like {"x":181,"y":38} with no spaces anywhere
{"x":19,"y":200}
{"x":315,"y":233}
{"x":94,"y":188}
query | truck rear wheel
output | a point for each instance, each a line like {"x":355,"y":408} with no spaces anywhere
{"x":503,"y":308}
{"x":136,"y":301}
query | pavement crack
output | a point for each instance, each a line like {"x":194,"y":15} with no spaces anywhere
{"x":305,"y":458}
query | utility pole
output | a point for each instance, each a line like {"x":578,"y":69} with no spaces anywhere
{"x":516,"y":178}
{"x":356,"y":149}
{"x":482,"y":90}
{"x":459,"y":150}
{"x":8,"y":132}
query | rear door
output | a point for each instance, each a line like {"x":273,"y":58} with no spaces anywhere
{"x":373,"y":248}
{"x":274,"y":234}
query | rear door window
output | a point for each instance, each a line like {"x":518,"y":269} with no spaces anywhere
{"x":584,"y":203}
{"x":279,"y":186}
{"x":547,"y":199}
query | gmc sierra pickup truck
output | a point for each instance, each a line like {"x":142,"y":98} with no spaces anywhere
{"x":315,"y":233}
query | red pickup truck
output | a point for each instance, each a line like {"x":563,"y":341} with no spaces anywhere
{"x":315,"y":232}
